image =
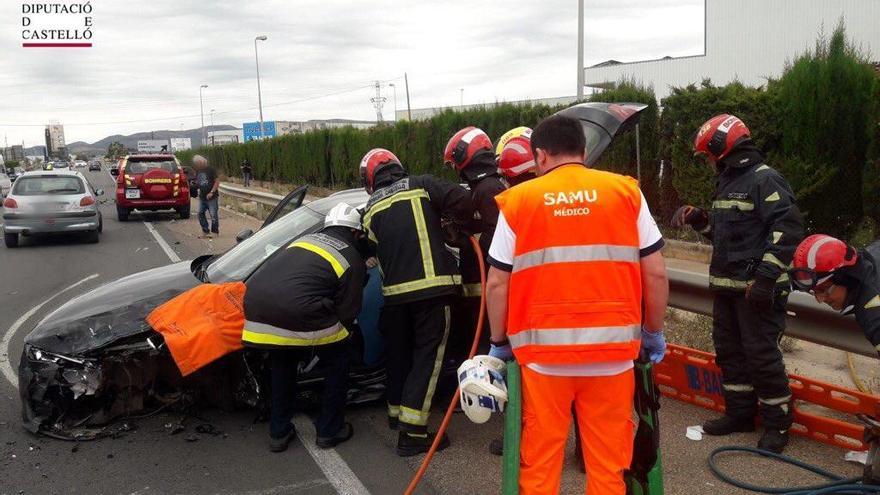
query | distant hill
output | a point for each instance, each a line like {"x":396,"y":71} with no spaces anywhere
{"x":130,"y":141}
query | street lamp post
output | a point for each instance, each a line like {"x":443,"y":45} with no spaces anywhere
{"x":394,"y":88}
{"x":460,"y":97}
{"x":202,"y":108}
{"x":212,"y":127}
{"x":259,"y":92}
{"x":580,"y":51}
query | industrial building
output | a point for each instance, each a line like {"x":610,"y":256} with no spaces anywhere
{"x":427,"y":113}
{"x":273,"y":128}
{"x":56,"y":147}
{"x":749,"y":41}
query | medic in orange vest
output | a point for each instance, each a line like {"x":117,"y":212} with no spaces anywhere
{"x":575,"y":258}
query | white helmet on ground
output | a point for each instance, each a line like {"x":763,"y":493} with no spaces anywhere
{"x":343,"y":215}
{"x":482,"y":387}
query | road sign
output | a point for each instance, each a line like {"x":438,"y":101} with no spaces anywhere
{"x":153,"y":146}
{"x":181,"y":144}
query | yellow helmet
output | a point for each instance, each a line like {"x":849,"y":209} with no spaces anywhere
{"x":515,"y":132}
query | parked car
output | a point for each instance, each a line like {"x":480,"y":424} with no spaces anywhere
{"x":95,"y":358}
{"x":79,"y":163}
{"x":45,"y":202}
{"x":61,"y":164}
{"x":151,"y":182}
{"x":5,"y":184}
{"x":14,"y":172}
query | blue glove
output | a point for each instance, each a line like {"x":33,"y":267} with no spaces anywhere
{"x":503,"y":352}
{"x":653,"y":345}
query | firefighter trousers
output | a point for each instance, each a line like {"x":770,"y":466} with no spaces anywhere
{"x":747,"y":350}
{"x":415,"y":335}
{"x":605,"y":425}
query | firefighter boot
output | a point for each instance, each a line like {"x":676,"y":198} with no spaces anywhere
{"x":725,"y":425}
{"x":410,"y":444}
{"x":773,"y":440}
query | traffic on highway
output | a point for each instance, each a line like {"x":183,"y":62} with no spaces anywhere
{"x":229,"y":267}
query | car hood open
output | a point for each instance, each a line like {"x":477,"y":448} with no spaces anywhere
{"x":113,"y":311}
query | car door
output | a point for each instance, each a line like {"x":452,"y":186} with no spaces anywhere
{"x":603,"y":122}
{"x":290,"y":202}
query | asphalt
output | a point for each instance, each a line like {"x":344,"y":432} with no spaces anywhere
{"x":148,"y":459}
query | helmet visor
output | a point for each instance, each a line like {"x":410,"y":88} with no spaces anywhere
{"x":807,"y":280}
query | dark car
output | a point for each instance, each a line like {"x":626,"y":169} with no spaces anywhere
{"x":94,"y":166}
{"x":95,"y":358}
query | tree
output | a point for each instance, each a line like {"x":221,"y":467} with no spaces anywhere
{"x":115,"y":151}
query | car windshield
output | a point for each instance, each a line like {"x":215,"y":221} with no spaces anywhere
{"x":140,"y":167}
{"x":594,"y":134}
{"x":239,"y":262}
{"x":48,"y":184}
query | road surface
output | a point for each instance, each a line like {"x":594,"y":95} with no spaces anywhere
{"x":149,"y":460}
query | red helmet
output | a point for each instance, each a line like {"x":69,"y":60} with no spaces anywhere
{"x":372,"y":162}
{"x":817,"y":258}
{"x":720,"y":134}
{"x":464,"y":145}
{"x":514,"y":152}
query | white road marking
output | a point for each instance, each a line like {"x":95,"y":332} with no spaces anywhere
{"x":329,"y":461}
{"x":164,"y":245}
{"x":5,"y":362}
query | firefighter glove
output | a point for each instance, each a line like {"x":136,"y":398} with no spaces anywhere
{"x":697,"y":218}
{"x":653,"y":345}
{"x":760,"y":292}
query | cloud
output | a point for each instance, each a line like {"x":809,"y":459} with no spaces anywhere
{"x":150,"y":57}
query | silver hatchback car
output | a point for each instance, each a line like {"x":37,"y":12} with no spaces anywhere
{"x":51,"y":201}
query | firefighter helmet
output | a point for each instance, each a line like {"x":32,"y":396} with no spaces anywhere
{"x":816,"y":260}
{"x":514,"y":152}
{"x":464,"y":145}
{"x":719,"y":135}
{"x":375,"y":160}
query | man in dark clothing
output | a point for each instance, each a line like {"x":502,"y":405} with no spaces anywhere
{"x":754,"y":226}
{"x":247,"y":172}
{"x":842,"y":277}
{"x":302,"y":303}
{"x":469,"y":152}
{"x":208,"y":184}
{"x":420,"y":276}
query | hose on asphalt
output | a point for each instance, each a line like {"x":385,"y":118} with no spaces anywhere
{"x":835,"y":485}
{"x":855,"y":376}
{"x":451,"y":409}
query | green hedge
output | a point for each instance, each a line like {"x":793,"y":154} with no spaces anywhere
{"x":818,"y":125}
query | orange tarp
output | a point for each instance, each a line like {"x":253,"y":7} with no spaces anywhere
{"x":201,"y":325}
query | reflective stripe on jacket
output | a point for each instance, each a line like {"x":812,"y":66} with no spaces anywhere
{"x":402,"y":221}
{"x":306,"y":293}
{"x":575,"y":288}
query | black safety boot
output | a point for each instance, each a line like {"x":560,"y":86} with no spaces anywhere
{"x":344,"y":433}
{"x":725,"y":425}
{"x":773,"y":440}
{"x":393,"y":421}
{"x":496,"y":446}
{"x":410,"y":444}
{"x":280,"y":444}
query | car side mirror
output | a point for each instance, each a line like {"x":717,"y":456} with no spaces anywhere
{"x":114,"y":172}
{"x":243,"y":235}
{"x":99,"y":192}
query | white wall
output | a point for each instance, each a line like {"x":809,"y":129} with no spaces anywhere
{"x":751,"y":40}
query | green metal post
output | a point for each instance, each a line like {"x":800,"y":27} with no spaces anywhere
{"x":512,"y":431}
{"x":646,"y":479}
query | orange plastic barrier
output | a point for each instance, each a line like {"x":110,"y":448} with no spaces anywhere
{"x":822,"y":411}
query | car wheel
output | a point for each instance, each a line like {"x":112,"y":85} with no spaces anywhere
{"x":122,"y":213}
{"x":11,"y":240}
{"x":93,"y":237}
{"x":100,"y":222}
{"x":183,"y":211}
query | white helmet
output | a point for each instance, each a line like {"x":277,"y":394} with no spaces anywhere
{"x":482,"y":387}
{"x":343,"y":215}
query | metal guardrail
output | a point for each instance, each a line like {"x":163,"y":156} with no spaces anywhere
{"x":807,"y":319}
{"x":261,"y":197}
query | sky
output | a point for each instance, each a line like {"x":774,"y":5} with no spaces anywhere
{"x":321,"y":59}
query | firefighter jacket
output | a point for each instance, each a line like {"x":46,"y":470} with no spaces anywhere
{"x":863,"y":297}
{"x":575,"y":291}
{"x":307,"y":294}
{"x":403,"y":224}
{"x":754,"y":223}
{"x":484,"y":183}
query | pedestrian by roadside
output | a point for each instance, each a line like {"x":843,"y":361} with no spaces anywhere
{"x":208,"y":185}
{"x":247,"y":172}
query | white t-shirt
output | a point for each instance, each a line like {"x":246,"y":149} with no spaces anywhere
{"x":501,"y":257}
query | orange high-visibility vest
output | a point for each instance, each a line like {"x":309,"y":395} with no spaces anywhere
{"x":575,"y":290}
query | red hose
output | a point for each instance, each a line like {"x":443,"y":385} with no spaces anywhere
{"x":451,"y":409}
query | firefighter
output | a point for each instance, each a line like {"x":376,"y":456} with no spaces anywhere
{"x":842,"y":277}
{"x":469,"y":153}
{"x":303,"y":302}
{"x":420,"y":278}
{"x":754,"y":226}
{"x":576,"y":255}
{"x":514,"y":156}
